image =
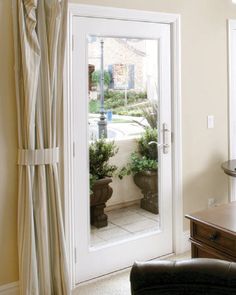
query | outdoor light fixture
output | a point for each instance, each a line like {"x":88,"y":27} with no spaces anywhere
{"x":102,"y":123}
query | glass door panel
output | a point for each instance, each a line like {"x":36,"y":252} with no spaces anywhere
{"x":123,"y":94}
{"x":121,"y":91}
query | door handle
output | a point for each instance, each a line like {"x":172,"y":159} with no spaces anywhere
{"x":166,"y":139}
{"x":213,"y":237}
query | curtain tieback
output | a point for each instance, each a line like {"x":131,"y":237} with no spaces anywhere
{"x":38,"y":156}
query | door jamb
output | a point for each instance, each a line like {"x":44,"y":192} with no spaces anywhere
{"x":68,"y":152}
{"x":232,"y":102}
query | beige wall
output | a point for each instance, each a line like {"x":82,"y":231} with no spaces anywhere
{"x":204,"y":89}
{"x":121,"y":194}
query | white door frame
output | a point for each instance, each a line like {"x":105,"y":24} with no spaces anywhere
{"x":135,"y":15}
{"x":232,"y":101}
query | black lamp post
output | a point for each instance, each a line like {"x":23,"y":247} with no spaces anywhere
{"x":102,"y":123}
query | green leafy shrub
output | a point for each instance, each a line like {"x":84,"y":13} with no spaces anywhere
{"x":96,"y":78}
{"x":149,"y":112}
{"x":100,"y":151}
{"x":113,"y":102}
{"x":94,"y":106}
{"x":128,"y":112}
{"x":147,"y":143}
{"x":114,"y":99}
{"x":145,"y":159}
{"x":137,"y":164}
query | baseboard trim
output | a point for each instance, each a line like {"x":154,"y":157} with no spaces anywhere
{"x":10,"y":289}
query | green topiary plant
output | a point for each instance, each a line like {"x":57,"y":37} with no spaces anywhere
{"x":101,"y":171}
{"x":100,"y":151}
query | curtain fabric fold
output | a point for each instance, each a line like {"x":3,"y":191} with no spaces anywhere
{"x":39,"y":39}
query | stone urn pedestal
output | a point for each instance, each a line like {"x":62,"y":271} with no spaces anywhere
{"x":147,"y":182}
{"x":102,"y":192}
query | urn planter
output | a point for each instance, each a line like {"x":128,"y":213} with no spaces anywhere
{"x":102,"y":192}
{"x":147,"y":182}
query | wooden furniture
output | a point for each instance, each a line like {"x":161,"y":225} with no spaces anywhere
{"x":213,"y":232}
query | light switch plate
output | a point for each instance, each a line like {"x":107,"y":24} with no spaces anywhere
{"x":210,"y":121}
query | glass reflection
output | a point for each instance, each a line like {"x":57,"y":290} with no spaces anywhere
{"x":123,"y":122}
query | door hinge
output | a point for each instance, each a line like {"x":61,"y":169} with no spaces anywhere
{"x":73,"y":149}
{"x":172,"y":137}
{"x":75,"y":255}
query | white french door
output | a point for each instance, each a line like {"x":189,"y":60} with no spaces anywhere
{"x":95,"y":261}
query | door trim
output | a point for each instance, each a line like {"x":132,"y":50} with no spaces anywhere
{"x":232,"y":102}
{"x":132,"y":15}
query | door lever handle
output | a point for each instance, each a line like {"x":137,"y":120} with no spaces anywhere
{"x":158,"y":144}
{"x":166,"y":139}
{"x":213,"y":237}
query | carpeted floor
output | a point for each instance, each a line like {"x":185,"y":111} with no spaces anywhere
{"x":116,"y":283}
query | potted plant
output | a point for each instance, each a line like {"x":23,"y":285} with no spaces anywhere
{"x":143,"y":166}
{"x":100,"y":152}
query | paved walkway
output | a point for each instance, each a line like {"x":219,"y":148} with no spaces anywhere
{"x":123,"y":224}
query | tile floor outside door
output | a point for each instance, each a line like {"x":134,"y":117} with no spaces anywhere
{"x":125,"y":223}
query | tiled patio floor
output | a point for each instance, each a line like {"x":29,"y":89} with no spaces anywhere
{"x":123,"y":224}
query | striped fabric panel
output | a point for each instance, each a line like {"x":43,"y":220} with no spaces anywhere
{"x":39,"y":38}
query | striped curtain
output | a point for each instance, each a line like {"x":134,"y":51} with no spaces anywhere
{"x":39,"y":39}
